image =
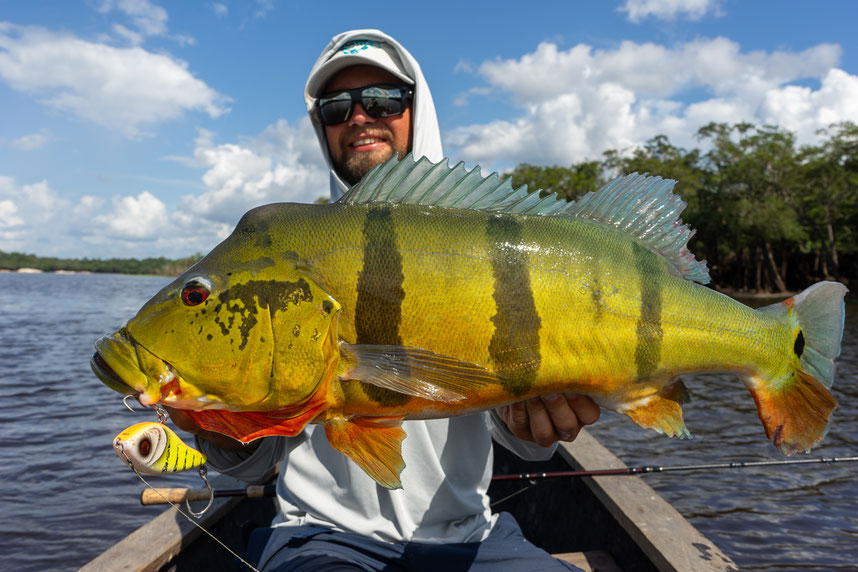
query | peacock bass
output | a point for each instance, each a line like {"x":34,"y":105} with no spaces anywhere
{"x":429,"y":291}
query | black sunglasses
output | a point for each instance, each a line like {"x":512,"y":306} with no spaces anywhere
{"x":335,"y":107}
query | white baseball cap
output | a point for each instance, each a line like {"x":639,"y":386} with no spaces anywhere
{"x":361,"y":51}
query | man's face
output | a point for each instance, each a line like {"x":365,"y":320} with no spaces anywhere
{"x":362,"y":142}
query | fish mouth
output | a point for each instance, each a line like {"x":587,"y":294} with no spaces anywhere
{"x":108,"y":377}
{"x":125,"y":366}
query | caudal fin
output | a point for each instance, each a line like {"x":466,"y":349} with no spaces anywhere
{"x":795,"y":405}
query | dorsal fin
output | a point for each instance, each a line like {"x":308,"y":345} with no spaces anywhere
{"x":643,"y":207}
{"x":646,"y":208}
{"x":422,"y":182}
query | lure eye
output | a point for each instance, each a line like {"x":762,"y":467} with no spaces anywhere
{"x":195,"y":293}
{"x":144,"y":447}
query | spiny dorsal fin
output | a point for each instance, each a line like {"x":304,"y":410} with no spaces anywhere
{"x":423,"y":182}
{"x":641,"y":206}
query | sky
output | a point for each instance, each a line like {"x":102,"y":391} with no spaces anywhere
{"x":136,"y":128}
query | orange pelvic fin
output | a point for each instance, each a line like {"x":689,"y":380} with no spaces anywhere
{"x":663,"y":411}
{"x":375,"y":444}
{"x":249,"y":425}
{"x":796,"y":414}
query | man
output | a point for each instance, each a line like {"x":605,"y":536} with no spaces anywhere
{"x":368,"y":100}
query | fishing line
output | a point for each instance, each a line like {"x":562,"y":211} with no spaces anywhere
{"x":180,"y":511}
{"x":532,"y":484}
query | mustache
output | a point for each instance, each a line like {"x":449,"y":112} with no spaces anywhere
{"x":381,"y":132}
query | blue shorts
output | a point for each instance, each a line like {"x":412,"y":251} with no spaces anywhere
{"x":312,"y":549}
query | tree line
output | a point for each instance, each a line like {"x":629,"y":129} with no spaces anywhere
{"x":159,"y":266}
{"x":770,"y":215}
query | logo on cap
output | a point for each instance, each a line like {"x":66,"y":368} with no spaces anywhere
{"x":358,"y":46}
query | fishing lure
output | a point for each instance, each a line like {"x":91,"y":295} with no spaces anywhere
{"x":154,"y":449}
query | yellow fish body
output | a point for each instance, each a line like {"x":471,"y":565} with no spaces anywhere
{"x":154,"y":449}
{"x":429,"y":291}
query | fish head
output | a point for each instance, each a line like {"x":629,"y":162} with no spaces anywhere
{"x":247,"y":328}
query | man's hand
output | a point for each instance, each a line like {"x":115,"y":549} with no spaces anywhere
{"x":549,"y":418}
{"x":186,"y":423}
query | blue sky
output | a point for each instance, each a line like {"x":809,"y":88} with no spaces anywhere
{"x":135,"y":128}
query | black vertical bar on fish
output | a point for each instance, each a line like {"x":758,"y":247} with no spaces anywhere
{"x":649,"y":331}
{"x":514,"y":347}
{"x":380,"y":292}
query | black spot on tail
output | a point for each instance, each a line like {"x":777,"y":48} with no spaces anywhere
{"x":798,"y":348}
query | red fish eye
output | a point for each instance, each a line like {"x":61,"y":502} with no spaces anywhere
{"x":144,"y":447}
{"x":194,"y":294}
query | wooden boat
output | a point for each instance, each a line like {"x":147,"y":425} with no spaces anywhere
{"x":605,"y":523}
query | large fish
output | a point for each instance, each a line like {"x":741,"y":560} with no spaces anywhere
{"x":429,"y":291}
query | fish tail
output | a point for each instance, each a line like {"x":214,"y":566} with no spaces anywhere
{"x":794,"y":402}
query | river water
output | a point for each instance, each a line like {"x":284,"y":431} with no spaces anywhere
{"x":66,"y":497}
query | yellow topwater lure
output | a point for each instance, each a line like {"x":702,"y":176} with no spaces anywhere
{"x":155,"y":449}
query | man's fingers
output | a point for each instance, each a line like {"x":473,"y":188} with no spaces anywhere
{"x":516,"y":417}
{"x":541,"y":424}
{"x":585,"y":408}
{"x":563,"y":417}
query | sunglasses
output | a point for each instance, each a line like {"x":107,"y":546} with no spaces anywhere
{"x":335,"y":107}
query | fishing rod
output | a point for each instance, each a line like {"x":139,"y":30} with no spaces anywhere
{"x":176,"y":495}
{"x":179,"y":495}
{"x":669,"y":468}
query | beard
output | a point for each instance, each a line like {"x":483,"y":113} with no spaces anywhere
{"x":352,"y":168}
{"x":355,"y":167}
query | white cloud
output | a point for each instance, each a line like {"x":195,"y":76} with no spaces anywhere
{"x":149,"y":19}
{"x":145,"y":18}
{"x":220,"y":9}
{"x":31,"y":141}
{"x":669,"y":9}
{"x":281,"y":164}
{"x":9,"y":218}
{"x":574,"y":104}
{"x":136,"y":218}
{"x":120,"y":88}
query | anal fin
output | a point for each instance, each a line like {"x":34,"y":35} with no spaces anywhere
{"x":375,"y":444}
{"x":663,"y":411}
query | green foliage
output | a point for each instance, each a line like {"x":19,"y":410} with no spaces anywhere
{"x":568,"y":182}
{"x":159,"y":266}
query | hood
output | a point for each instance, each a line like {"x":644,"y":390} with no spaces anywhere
{"x":426,"y":136}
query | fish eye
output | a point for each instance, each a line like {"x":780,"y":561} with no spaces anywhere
{"x":195,"y":292}
{"x":145,"y":446}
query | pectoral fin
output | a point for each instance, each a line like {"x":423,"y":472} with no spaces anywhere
{"x":414,"y":371}
{"x":663,"y":411}
{"x":375,"y":444}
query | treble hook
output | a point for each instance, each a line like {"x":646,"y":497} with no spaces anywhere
{"x":203,"y":472}
{"x":125,"y":402}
